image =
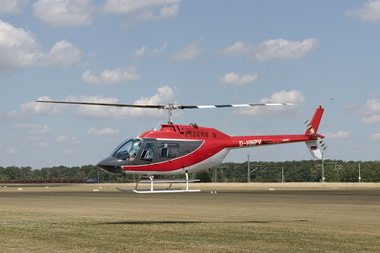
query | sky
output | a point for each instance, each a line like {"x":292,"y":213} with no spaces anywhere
{"x":310,"y":53}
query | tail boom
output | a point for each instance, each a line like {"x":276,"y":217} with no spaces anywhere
{"x":312,"y":139}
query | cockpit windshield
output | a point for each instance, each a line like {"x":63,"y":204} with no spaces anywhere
{"x":127,"y":150}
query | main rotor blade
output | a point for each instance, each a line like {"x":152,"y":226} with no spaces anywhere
{"x":104,"y":104}
{"x":225,"y":106}
{"x":167,"y":107}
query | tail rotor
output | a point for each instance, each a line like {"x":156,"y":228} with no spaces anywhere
{"x":317,"y":136}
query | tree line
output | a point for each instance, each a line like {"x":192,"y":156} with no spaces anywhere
{"x":289,"y":171}
{"x":298,"y":171}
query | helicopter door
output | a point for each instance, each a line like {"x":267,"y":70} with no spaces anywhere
{"x":147,"y":153}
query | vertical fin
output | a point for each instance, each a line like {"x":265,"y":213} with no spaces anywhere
{"x":316,"y":120}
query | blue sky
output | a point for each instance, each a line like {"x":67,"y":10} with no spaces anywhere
{"x":187,"y":52}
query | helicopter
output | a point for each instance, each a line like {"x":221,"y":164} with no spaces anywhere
{"x":183,"y":149}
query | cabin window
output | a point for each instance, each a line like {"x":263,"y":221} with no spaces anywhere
{"x":148,"y":151}
{"x":169,"y":150}
{"x":188,"y":133}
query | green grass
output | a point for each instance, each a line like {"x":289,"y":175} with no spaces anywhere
{"x":73,"y":218}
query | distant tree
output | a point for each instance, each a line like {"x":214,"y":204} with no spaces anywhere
{"x":1,"y":172}
{"x":25,"y":172}
{"x":295,"y":171}
{"x":204,"y":176}
{"x":11,"y":172}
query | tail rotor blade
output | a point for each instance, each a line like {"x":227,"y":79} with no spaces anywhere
{"x":322,"y":144}
{"x":319,"y":139}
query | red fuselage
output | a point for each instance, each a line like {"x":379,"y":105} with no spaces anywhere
{"x":175,"y":149}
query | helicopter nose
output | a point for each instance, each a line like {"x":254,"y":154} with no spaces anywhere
{"x":110,"y":164}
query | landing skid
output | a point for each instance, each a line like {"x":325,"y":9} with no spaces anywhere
{"x":169,"y":189}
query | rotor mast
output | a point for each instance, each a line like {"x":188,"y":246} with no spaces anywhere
{"x":170,"y":107}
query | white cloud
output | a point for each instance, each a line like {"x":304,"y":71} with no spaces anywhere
{"x":69,"y":151}
{"x":143,"y":9}
{"x":238,"y":48}
{"x":338,"y":135}
{"x":163,"y":96}
{"x":169,"y":11}
{"x":371,"y":119}
{"x":64,"y":13}
{"x":13,"y":151}
{"x":102,"y":132}
{"x":33,"y":129}
{"x":63,"y":54}
{"x":189,"y":52}
{"x":33,"y":138}
{"x":131,"y":6}
{"x":139,"y":53}
{"x":376,"y":137}
{"x":272,"y":49}
{"x":66,"y":139}
{"x":294,"y":96}
{"x":236,"y":79}
{"x":158,"y":51}
{"x":35,"y":108}
{"x":42,"y":144}
{"x":370,"y":12}
{"x":19,"y":49}
{"x":12,"y":6}
{"x":112,"y":77}
{"x":285,"y":49}
{"x":371,"y":108}
{"x":93,"y":111}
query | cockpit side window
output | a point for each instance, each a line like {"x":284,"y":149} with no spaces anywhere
{"x":148,"y":151}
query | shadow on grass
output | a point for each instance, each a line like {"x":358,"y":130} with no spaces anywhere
{"x":192,"y":222}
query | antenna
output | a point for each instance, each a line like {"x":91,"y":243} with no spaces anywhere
{"x":138,"y":134}
{"x":155,"y":129}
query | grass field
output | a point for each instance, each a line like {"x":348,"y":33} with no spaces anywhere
{"x":240,"y":217}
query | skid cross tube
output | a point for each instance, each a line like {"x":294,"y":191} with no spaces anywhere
{"x":166,"y":190}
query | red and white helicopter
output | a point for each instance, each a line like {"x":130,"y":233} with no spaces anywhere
{"x":182,"y":149}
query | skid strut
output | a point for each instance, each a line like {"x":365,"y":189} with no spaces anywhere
{"x":169,"y":189}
